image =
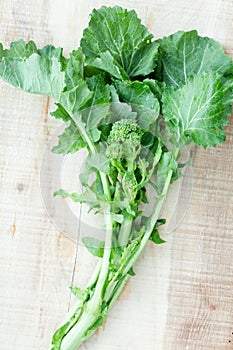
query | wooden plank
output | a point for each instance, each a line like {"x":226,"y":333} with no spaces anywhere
{"x":181,"y":297}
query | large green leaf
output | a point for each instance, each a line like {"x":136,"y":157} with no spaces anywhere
{"x":119,"y":33}
{"x":32,"y":70}
{"x":198,"y":110}
{"x":185,"y":54}
{"x":46,"y":72}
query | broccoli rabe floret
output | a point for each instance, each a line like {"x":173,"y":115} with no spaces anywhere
{"x":124,"y":140}
{"x":125,"y":130}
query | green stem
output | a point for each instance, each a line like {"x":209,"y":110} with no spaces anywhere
{"x":153,"y":219}
{"x":125,"y":231}
{"x":83,"y":133}
{"x":150,"y":227}
{"x":118,"y":291}
{"x":91,"y":282}
{"x":93,"y":307}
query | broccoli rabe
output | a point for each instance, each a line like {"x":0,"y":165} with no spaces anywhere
{"x":133,"y":103}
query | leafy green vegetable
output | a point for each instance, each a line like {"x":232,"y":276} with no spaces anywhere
{"x":133,"y":103}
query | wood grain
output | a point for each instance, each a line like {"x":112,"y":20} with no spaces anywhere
{"x":182,"y":295}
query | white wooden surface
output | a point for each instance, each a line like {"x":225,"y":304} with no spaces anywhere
{"x":182,"y":295}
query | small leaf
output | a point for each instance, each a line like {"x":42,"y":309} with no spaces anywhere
{"x":100,"y":162}
{"x":117,"y":217}
{"x":131,"y":272}
{"x":70,"y":141}
{"x":61,"y":113}
{"x":155,"y":237}
{"x":130,"y":186}
{"x":88,"y":197}
{"x":142,"y":100}
{"x":156,"y":87}
{"x":80,"y":293}
{"x":94,"y":246}
{"x":63,"y":330}
{"x":94,"y":134}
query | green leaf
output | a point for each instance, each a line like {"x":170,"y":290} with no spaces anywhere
{"x":121,"y":110}
{"x":198,"y":110}
{"x":32,"y":70}
{"x":156,"y":87}
{"x":74,"y":70}
{"x":107,"y":63}
{"x":46,"y":72}
{"x":100,"y":162}
{"x":131,"y":272}
{"x":19,"y":50}
{"x":88,"y":197}
{"x":61,"y":113}
{"x":131,"y":249}
{"x":143,"y":101}
{"x":79,"y":292}
{"x":98,"y":105}
{"x":98,"y":323}
{"x":70,"y":141}
{"x":60,"y":334}
{"x":185,"y":54}
{"x":94,"y":134}
{"x":128,"y":43}
{"x":155,"y":237}
{"x":94,"y":246}
{"x":76,"y":99}
{"x":117,"y":217}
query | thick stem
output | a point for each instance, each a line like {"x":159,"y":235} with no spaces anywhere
{"x":93,"y":307}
